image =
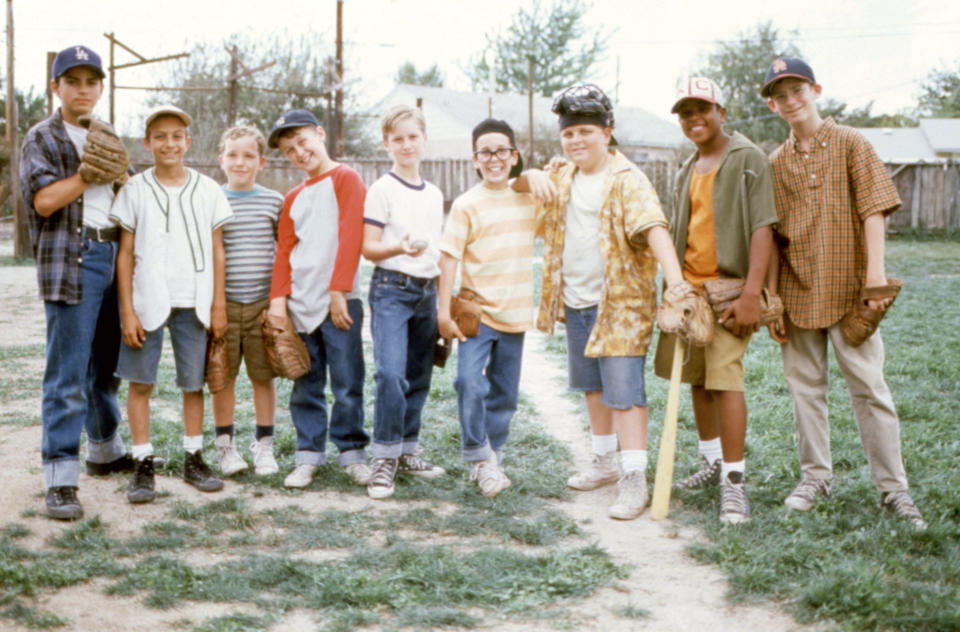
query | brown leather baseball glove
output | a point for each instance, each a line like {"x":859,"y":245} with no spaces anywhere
{"x":860,"y":321}
{"x":466,"y":311}
{"x":218,"y":364}
{"x":685,"y":312}
{"x":104,"y":156}
{"x":286,"y":351}
{"x":721,"y":293}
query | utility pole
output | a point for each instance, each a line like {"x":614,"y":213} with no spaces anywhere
{"x":21,"y":234}
{"x":51,"y":56}
{"x":338,"y":149}
{"x":530,"y":106}
{"x":114,"y":67}
{"x":237,"y":71}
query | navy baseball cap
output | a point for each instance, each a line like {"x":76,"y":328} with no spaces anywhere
{"x":786,"y":67}
{"x":76,"y":56}
{"x":290,"y":120}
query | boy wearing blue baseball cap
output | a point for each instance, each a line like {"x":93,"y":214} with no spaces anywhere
{"x":832,"y":194}
{"x":75,"y":246}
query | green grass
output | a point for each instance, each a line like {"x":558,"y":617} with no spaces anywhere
{"x":845,"y":561}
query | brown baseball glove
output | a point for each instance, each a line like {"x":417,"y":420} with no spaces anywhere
{"x":104,"y":156}
{"x":685,"y":312}
{"x":466,"y":311}
{"x":286,"y":351}
{"x":721,"y":293}
{"x":218,"y":364}
{"x":860,"y":321}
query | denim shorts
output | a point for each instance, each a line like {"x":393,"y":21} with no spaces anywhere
{"x":189,"y":340}
{"x":620,"y":378}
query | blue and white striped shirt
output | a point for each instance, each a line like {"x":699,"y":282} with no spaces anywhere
{"x":250,"y":242}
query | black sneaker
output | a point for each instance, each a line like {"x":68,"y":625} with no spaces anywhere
{"x":196,"y":473}
{"x":63,"y":504}
{"x":142,"y":488}
{"x":123,"y":464}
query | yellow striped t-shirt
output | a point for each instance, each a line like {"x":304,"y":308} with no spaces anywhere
{"x":491,"y":233}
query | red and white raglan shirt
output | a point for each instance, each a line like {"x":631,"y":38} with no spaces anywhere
{"x":319,"y":236}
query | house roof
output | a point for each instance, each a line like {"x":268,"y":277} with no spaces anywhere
{"x":900,"y":144}
{"x":943,"y":134}
{"x":452,"y":114}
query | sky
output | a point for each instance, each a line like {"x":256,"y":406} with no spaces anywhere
{"x":860,"y":50}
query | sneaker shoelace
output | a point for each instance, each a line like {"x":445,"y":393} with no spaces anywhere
{"x":413,"y":463}
{"x":383,"y":472}
{"x":808,"y":488}
{"x":707,"y":472}
{"x":902,"y":505}
{"x":733,"y":500}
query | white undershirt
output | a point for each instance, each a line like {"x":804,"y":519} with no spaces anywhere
{"x":181,"y":275}
{"x":98,"y":198}
{"x":582,"y":267}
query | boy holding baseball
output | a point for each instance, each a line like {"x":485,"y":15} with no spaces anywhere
{"x":403,"y":216}
{"x":489,"y":236}
{"x":832,"y":195}
{"x":170,"y":274}
{"x":75,"y":245}
{"x":720,"y":222}
{"x":249,"y":243}
{"x":315,"y":281}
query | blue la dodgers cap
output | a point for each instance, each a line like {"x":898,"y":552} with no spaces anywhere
{"x":76,"y":56}
{"x":786,"y":67}
{"x":291,"y":119}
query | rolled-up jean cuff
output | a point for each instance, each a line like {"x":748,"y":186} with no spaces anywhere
{"x":478,"y":453}
{"x":105,"y":451}
{"x":386,"y":450}
{"x":309,"y":457}
{"x":352,"y":457}
{"x":410,"y":447}
{"x":62,"y":472}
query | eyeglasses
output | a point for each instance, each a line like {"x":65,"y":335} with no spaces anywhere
{"x":485,"y":155}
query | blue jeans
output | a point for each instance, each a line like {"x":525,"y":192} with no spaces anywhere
{"x":404,"y":327}
{"x":79,"y":388}
{"x":488,"y":381}
{"x":340,"y":350}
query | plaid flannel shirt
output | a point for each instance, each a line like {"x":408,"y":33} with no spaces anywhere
{"x":822,"y":199}
{"x":48,"y":156}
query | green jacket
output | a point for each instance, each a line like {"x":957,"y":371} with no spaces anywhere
{"x":742,"y":203}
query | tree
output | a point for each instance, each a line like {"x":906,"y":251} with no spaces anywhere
{"x":31,"y":109}
{"x":738,"y":66}
{"x":300,"y":78}
{"x":407,"y":73}
{"x":562,"y":49}
{"x":940,"y":93}
{"x":861,"y":117}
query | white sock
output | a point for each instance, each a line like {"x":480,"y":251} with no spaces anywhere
{"x":726,"y":468}
{"x":192,"y":444}
{"x":633,"y":460}
{"x":711,"y":450}
{"x":603,"y":444}
{"x":141,"y":451}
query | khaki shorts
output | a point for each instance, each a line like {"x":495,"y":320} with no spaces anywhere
{"x":244,"y":340}
{"x":717,"y":366}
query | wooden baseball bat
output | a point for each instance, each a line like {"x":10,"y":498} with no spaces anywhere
{"x":660,"y":505}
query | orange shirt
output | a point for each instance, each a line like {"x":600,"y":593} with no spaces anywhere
{"x":700,"y":257}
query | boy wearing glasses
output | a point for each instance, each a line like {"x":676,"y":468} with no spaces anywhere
{"x":490,"y":230}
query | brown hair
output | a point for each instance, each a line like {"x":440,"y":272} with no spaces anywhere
{"x":392,"y":117}
{"x":241,"y":131}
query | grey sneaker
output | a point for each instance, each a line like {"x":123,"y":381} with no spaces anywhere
{"x":631,"y":496}
{"x":489,"y":477}
{"x":63,"y":504}
{"x":142,"y":487}
{"x":228,"y":458}
{"x":413,"y":465}
{"x":734,"y":504}
{"x":804,"y":496}
{"x":359,"y":473}
{"x":264,"y":463}
{"x":301,"y":476}
{"x":901,"y":505}
{"x":381,"y":481}
{"x":707,"y":476}
{"x":198,"y":474}
{"x":604,"y":469}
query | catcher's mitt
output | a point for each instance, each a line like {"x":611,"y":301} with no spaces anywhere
{"x":104,"y":156}
{"x":721,"y":293}
{"x":465,"y":310}
{"x":218,"y":364}
{"x":286,"y":352}
{"x":685,"y":312}
{"x":860,"y":321}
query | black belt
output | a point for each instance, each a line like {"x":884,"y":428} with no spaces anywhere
{"x":422,"y":282}
{"x":102,"y":234}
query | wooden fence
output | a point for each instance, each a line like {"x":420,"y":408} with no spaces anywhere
{"x":930,"y":194}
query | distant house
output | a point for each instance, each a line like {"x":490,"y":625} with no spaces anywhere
{"x":452,"y":114}
{"x":933,"y":141}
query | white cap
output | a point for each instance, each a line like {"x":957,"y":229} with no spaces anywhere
{"x":167,"y":110}
{"x":697,"y":88}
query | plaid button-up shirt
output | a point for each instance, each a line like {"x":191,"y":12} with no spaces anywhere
{"x":48,"y":156}
{"x":822,"y":198}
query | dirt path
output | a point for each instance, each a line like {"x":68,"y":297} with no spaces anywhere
{"x":679,"y":593}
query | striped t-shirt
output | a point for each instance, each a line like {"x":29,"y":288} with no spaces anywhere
{"x":250,"y":242}
{"x":491,"y":233}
